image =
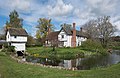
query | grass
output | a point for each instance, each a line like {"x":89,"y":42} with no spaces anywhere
{"x":66,"y":53}
{"x":9,"y":68}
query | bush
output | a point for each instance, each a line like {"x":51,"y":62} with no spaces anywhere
{"x":92,"y":45}
{"x":11,"y":49}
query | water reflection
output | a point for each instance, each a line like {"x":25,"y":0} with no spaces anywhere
{"x":81,"y":63}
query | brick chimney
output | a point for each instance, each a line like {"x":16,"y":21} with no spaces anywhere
{"x":49,"y":30}
{"x":81,"y":29}
{"x":73,"y":40}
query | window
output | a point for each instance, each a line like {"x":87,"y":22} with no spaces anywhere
{"x":15,"y":36}
{"x":62,"y":36}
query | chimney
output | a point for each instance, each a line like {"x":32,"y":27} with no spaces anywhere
{"x":73,"y":41}
{"x":49,"y":30}
{"x":81,"y":29}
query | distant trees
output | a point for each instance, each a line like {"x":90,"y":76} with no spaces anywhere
{"x":30,"y":41}
{"x":101,"y":29}
{"x":15,"y":21}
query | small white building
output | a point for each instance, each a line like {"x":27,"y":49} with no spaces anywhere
{"x":17,"y":37}
{"x":67,"y":37}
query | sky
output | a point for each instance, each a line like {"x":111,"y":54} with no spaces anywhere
{"x":60,"y":11}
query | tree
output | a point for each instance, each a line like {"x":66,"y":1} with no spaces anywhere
{"x":67,"y":25}
{"x":43,"y":27}
{"x":105,"y":29}
{"x":55,"y":43}
{"x":90,"y":28}
{"x":30,"y":40}
{"x":15,"y":21}
{"x":2,"y":34}
{"x":101,"y":28}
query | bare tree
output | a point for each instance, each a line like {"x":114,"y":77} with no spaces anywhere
{"x":90,"y":28}
{"x":54,"y":43}
{"x":101,"y":28}
{"x":105,"y":29}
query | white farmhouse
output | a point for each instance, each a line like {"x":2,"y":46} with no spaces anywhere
{"x":17,"y":37}
{"x":67,"y":37}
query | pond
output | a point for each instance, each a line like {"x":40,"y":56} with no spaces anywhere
{"x":81,"y":63}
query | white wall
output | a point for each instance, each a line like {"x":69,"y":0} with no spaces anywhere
{"x":80,"y":40}
{"x":66,"y":39}
{"x":18,"y":39}
{"x":19,"y":46}
{"x":60,"y":36}
{"x":8,"y":37}
{"x":69,"y":37}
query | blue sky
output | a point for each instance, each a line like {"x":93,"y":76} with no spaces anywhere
{"x":60,"y":11}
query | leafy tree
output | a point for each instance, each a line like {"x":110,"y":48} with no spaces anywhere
{"x":43,"y":27}
{"x":30,"y":40}
{"x":67,"y":25}
{"x":15,"y":21}
{"x":2,"y":33}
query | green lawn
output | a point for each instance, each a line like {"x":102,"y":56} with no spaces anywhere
{"x":60,"y":52}
{"x":9,"y":68}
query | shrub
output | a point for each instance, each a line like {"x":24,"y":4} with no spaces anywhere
{"x":11,"y":49}
{"x":92,"y":45}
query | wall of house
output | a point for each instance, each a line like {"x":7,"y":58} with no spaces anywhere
{"x":19,"y":46}
{"x":66,"y":40}
{"x":69,"y":37}
{"x":8,"y":37}
{"x":80,"y":40}
{"x":15,"y":38}
{"x":60,"y":36}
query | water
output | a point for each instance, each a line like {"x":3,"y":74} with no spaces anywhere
{"x":81,"y":63}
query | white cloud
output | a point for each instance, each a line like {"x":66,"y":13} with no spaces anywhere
{"x":60,"y":9}
{"x":102,"y":7}
{"x":82,"y":14}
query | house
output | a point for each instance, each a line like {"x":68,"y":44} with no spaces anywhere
{"x":67,"y":37}
{"x":17,"y":37}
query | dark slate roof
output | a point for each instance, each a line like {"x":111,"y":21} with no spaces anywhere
{"x":78,"y":33}
{"x":17,"y":32}
{"x":68,"y":30}
{"x":52,"y":35}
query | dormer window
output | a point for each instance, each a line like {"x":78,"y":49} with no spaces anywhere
{"x":62,"y":36}
{"x":15,"y":36}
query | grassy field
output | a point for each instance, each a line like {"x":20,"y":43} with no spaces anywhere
{"x":9,"y":68}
